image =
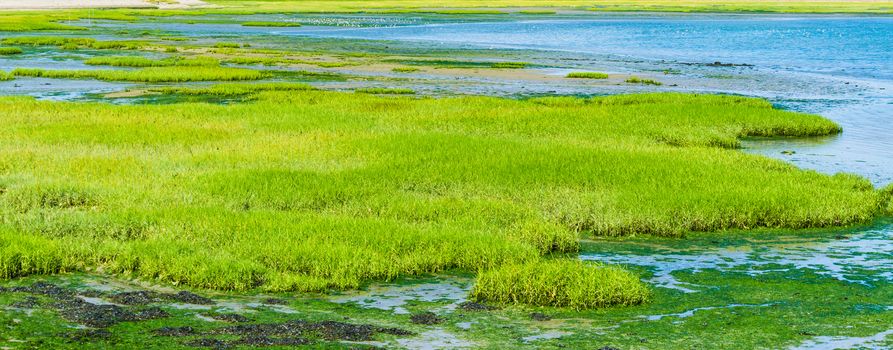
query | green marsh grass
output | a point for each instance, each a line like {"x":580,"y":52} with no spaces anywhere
{"x":6,"y":51}
{"x":510,"y":65}
{"x":306,"y":190}
{"x":587,"y":75}
{"x":271,"y":24}
{"x":139,"y":61}
{"x":69,"y":43}
{"x":6,"y":76}
{"x":385,"y":91}
{"x":150,"y":74}
{"x":235,"y":89}
{"x":274,"y":61}
{"x":11,"y":22}
{"x":637,"y":80}
{"x":227,"y":45}
{"x":405,"y":69}
{"x":563,"y":283}
{"x":537,"y":12}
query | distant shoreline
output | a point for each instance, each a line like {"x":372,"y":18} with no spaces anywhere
{"x":95,"y":4}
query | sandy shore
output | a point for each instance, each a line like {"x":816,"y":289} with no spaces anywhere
{"x":80,"y":4}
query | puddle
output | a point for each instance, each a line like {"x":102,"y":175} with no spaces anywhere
{"x":395,"y":297}
{"x":545,"y":336}
{"x":690,"y":313}
{"x":435,"y":339}
{"x":826,"y":342}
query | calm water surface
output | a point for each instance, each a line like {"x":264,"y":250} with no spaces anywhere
{"x":840,"y":67}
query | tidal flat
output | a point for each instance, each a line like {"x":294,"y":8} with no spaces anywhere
{"x":247,"y":175}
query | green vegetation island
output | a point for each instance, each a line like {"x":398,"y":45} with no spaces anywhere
{"x":215,"y":174}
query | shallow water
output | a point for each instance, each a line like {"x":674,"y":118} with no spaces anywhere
{"x":837,"y":66}
{"x":863,"y":257}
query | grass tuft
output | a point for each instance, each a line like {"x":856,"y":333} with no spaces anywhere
{"x":637,"y":80}
{"x":563,"y":283}
{"x":139,"y":61}
{"x":385,"y":91}
{"x":227,"y":45}
{"x":405,"y":69}
{"x":149,"y":75}
{"x":235,"y":89}
{"x":6,"y":51}
{"x":587,"y":75}
{"x":69,"y":43}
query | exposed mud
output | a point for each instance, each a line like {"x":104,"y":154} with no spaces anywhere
{"x":427,"y":318}
{"x":80,"y":309}
{"x":96,"y":310}
{"x":473,"y":306}
{"x":538,"y":316}
{"x":146,"y":297}
{"x":290,"y":333}
{"x":232,"y":318}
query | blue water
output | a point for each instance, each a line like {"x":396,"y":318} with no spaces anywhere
{"x":838,"y":66}
{"x":850,"y":46}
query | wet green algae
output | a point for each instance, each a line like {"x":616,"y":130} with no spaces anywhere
{"x":777,"y":309}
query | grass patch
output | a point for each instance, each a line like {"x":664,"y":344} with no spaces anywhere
{"x":587,"y":75}
{"x":271,"y":24}
{"x":275,"y":61}
{"x":149,"y":75}
{"x":637,"y":80}
{"x":69,"y":43}
{"x":312,"y":190}
{"x":10,"y":22}
{"x":227,"y":45}
{"x":405,"y":69}
{"x":564,"y":283}
{"x":537,"y":12}
{"x":235,"y":89}
{"x":385,"y":91}
{"x":6,"y":51}
{"x":510,"y":65}
{"x":139,"y":61}
{"x":6,"y":76}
